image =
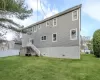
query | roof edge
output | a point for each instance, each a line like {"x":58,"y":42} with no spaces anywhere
{"x":53,"y":16}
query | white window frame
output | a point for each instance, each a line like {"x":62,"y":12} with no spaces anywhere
{"x":56,"y":22}
{"x":39,"y":26}
{"x":73,"y":15}
{"x":41,"y":38}
{"x":52,"y":37}
{"x":32,"y":29}
{"x":71,"y":34}
{"x":35,"y":28}
{"x":47,"y":24}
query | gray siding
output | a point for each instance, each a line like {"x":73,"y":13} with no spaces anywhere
{"x":64,"y":25}
{"x":61,"y":52}
{"x":25,"y":39}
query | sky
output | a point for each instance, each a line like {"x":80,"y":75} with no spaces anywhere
{"x":90,"y":13}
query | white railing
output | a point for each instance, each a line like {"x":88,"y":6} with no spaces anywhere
{"x":34,"y":48}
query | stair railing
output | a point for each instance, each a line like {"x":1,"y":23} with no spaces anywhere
{"x":34,"y":48}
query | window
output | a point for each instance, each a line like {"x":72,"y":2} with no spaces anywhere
{"x":39,"y":26}
{"x":47,"y":23}
{"x":43,"y":38}
{"x":31,"y":29}
{"x":54,"y":37}
{"x":31,"y":41}
{"x":35,"y":28}
{"x":55,"y":22}
{"x":73,"y":34}
{"x":75,"y":15}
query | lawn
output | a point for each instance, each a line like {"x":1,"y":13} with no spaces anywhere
{"x":42,"y":68}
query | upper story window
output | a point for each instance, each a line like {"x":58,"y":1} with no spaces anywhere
{"x":35,"y":28}
{"x":43,"y":38}
{"x":39,"y":26}
{"x":55,"y":22}
{"x":75,"y":15}
{"x":73,"y":34}
{"x":54,"y":37}
{"x":47,"y":23}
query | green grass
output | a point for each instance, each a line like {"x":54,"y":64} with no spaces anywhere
{"x":42,"y":68}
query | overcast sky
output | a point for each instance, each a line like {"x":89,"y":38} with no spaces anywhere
{"x":90,"y":17}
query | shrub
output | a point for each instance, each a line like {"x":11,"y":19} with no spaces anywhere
{"x":96,"y":43}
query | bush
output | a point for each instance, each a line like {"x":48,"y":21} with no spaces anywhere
{"x":96,"y":43}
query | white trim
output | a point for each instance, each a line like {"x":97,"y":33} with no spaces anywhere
{"x":56,"y":37}
{"x":79,"y":28}
{"x":41,"y":38}
{"x":47,"y":23}
{"x":35,"y":28}
{"x":56,"y":22}
{"x":71,"y":34}
{"x":73,"y":17}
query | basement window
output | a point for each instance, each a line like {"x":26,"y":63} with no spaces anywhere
{"x":75,"y":15}
{"x":73,"y":34}
{"x":54,"y":37}
{"x":43,"y":38}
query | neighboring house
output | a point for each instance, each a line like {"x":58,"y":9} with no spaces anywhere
{"x":9,"y":48}
{"x":56,"y":36}
{"x":84,"y":44}
{"x":6,"y":45}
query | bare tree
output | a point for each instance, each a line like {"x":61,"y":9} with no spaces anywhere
{"x":12,"y":8}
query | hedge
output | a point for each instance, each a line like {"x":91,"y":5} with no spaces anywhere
{"x":96,"y":43}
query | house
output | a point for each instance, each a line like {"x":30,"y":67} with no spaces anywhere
{"x":9,"y":48}
{"x":85,"y":41}
{"x":57,"y":36}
